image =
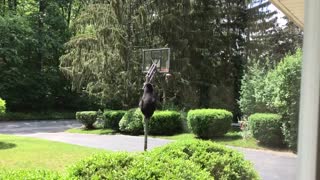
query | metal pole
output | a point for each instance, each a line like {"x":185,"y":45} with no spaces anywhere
{"x":308,"y":140}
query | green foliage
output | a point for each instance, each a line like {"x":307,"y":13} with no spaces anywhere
{"x":276,"y":91}
{"x":16,"y":116}
{"x":2,"y":106}
{"x":102,"y":166}
{"x":99,"y":59}
{"x":209,"y":123}
{"x":266,"y":128}
{"x":132,"y":122}
{"x":284,"y":85}
{"x":252,"y":97}
{"x":29,"y":174}
{"x":192,"y":159}
{"x":166,"y":167}
{"x":87,"y":118}
{"x":165,"y":123}
{"x":135,"y":166}
{"x":112,"y":118}
{"x":221,"y":162}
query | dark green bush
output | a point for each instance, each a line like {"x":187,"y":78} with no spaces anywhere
{"x":132,"y":122}
{"x":28,"y":175}
{"x":87,"y":118}
{"x":266,"y":128}
{"x":2,"y":106}
{"x":222,"y":163}
{"x":209,"y":123}
{"x":111,"y":119}
{"x":165,"y":123}
{"x":122,"y":166}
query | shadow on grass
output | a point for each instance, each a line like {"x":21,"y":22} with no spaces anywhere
{"x":230,"y":136}
{"x":275,"y":148}
{"x":4,"y":145}
{"x":101,"y":131}
{"x":97,"y":131}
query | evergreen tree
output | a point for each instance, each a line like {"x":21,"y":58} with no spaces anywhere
{"x":260,"y":30}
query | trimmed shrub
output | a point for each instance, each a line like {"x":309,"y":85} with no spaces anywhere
{"x":29,"y":174}
{"x":102,"y":166}
{"x":132,"y":122}
{"x":165,"y":123}
{"x":2,"y":106}
{"x":87,"y":118}
{"x":209,"y":123}
{"x":221,"y":162}
{"x":111,"y":119}
{"x":124,"y":166}
{"x":266,"y":128}
{"x":165,"y":167}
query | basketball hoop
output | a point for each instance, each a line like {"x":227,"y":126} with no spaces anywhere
{"x":160,"y":57}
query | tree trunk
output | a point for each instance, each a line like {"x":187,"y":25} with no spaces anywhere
{"x":69,"y":12}
{"x":146,"y":134}
{"x":40,"y":33}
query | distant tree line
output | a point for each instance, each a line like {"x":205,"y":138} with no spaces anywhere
{"x":97,"y":46}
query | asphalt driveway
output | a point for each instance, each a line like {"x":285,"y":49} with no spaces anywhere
{"x":271,"y":165}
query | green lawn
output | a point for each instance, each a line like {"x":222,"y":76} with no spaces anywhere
{"x":232,"y":138}
{"x":29,"y":153}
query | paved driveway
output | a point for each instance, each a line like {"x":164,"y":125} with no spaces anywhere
{"x":31,"y":127}
{"x":270,"y":165}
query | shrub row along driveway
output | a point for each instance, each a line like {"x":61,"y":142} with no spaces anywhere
{"x":270,"y":165}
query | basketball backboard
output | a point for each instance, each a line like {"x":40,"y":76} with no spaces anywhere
{"x":160,"y":56}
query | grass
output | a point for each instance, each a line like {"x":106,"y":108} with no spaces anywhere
{"x":232,"y":138}
{"x":16,"y":116}
{"x":91,"y":131}
{"x":31,"y":153}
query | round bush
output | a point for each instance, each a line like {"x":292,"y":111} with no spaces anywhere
{"x":111,"y":119}
{"x":2,"y":106}
{"x":132,"y":122}
{"x":266,"y":128}
{"x":165,"y":123}
{"x":124,"y":166}
{"x":87,"y":118}
{"x":209,"y":123}
{"x":221,"y":162}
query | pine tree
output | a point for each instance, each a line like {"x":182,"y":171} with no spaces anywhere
{"x":260,"y":29}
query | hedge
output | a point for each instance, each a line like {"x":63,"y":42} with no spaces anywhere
{"x":209,"y":123}
{"x":2,"y":106}
{"x":165,"y":123}
{"x":87,"y":118}
{"x":193,"y":159}
{"x":221,"y":162}
{"x":29,"y":175}
{"x":132,"y":122}
{"x":266,"y":128}
{"x":123,"y":166}
{"x":111,"y":119}
{"x":161,"y":123}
